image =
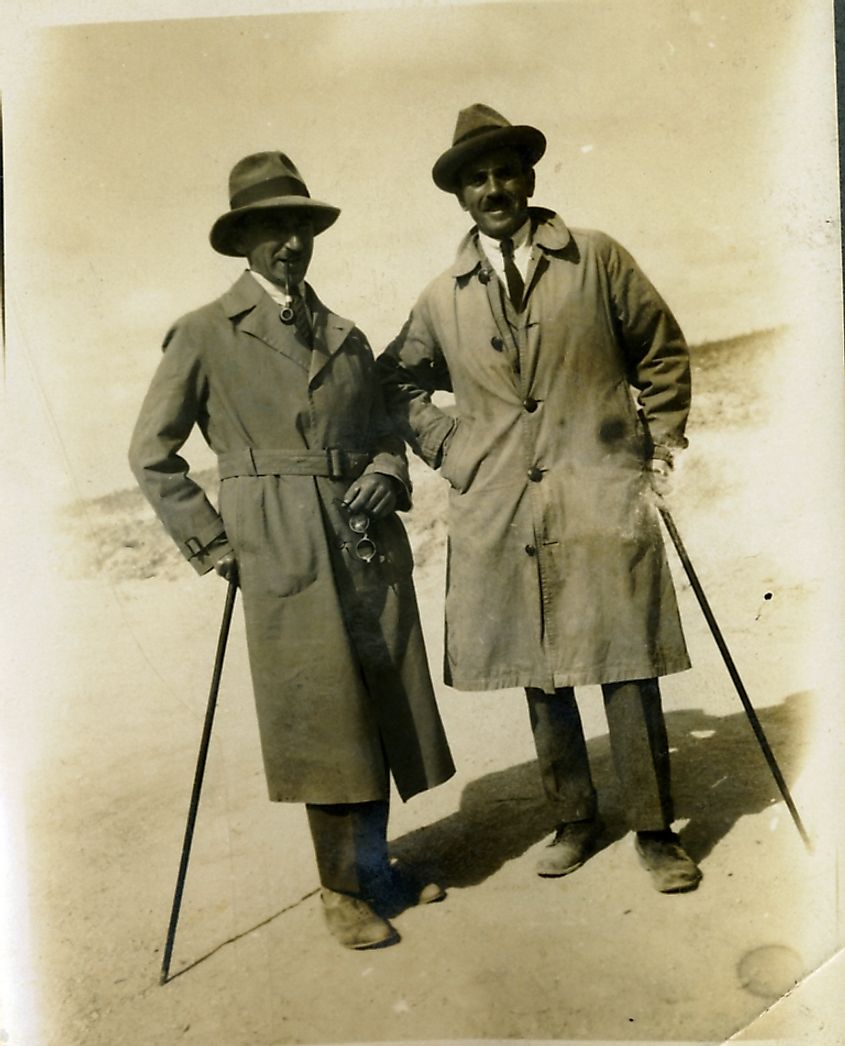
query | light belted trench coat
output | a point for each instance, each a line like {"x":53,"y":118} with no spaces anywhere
{"x":335,"y":647}
{"x":557,"y":574}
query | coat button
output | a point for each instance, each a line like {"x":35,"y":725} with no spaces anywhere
{"x":497,"y":343}
{"x":530,"y":404}
{"x":531,"y":550}
{"x":535,"y":474}
{"x":484,"y":276}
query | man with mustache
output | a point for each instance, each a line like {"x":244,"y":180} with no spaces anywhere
{"x":285,"y":393}
{"x":572,"y":387}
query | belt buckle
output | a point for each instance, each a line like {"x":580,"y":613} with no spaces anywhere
{"x":336,"y":458}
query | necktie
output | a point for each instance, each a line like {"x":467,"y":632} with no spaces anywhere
{"x":299,"y":318}
{"x":516,"y":286}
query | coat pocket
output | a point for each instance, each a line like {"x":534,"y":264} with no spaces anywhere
{"x":275,"y":541}
{"x":461,"y":460}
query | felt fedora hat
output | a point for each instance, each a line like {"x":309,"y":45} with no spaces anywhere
{"x":266,"y":182}
{"x":478,"y":130}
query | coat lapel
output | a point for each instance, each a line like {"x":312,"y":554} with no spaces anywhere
{"x":530,"y":341}
{"x":259,"y":317}
{"x":470,"y":267}
{"x":264,"y":323}
{"x":330,"y":332}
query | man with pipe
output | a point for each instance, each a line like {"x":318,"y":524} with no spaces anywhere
{"x":285,"y":392}
{"x":572,"y":388}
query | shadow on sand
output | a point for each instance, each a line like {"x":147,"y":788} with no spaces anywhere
{"x":718,"y":775}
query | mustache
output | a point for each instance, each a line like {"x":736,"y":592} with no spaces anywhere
{"x":497,"y":202}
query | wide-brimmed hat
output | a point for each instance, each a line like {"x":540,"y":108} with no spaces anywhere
{"x":266,"y":182}
{"x":478,"y":130}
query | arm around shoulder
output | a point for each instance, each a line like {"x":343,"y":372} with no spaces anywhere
{"x":411,"y":369}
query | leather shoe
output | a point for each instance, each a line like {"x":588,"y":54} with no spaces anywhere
{"x":671,"y":868}
{"x":353,"y":923}
{"x":571,"y":846}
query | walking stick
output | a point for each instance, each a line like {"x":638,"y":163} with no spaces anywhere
{"x":734,"y":674}
{"x":198,"y":776}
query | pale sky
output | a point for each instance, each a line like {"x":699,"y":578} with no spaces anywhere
{"x":701,"y":135}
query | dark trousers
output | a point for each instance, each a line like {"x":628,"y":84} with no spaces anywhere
{"x":638,"y":744}
{"x":350,"y":843}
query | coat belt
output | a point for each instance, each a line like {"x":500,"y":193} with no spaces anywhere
{"x":334,"y":462}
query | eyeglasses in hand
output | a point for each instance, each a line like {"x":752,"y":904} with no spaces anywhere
{"x":359,"y":523}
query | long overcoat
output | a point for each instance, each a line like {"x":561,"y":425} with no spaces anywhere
{"x":557,"y":574}
{"x":336,"y":652}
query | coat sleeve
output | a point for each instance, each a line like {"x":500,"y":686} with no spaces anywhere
{"x":171,"y":408}
{"x":655,"y":351}
{"x":411,"y":369}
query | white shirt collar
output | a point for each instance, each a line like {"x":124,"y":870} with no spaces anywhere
{"x":492,"y":250}
{"x":520,"y":239}
{"x":276,"y":293}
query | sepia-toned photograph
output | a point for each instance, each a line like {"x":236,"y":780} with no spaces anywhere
{"x":423,"y":493}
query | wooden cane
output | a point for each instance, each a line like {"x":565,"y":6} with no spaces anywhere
{"x":198,"y":777}
{"x":734,"y":674}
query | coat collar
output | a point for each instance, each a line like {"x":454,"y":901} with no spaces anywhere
{"x":255,"y":312}
{"x":244,"y":294}
{"x":549,"y":233}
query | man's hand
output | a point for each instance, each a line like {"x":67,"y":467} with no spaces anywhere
{"x":660,"y":476}
{"x":227,"y":567}
{"x":375,"y":494}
